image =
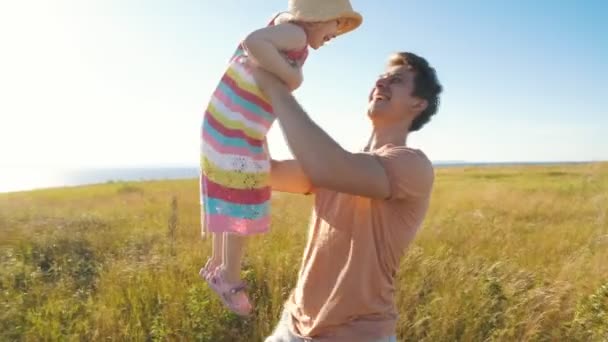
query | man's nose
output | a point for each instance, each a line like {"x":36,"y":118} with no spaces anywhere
{"x":381,"y":83}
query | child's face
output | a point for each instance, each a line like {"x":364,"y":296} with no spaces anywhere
{"x":320,"y":33}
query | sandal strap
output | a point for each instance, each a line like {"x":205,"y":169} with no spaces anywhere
{"x":240,"y":287}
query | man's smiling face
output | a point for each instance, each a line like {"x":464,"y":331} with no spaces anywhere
{"x":391,"y":99}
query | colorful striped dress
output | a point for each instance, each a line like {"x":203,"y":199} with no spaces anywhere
{"x":235,"y":166}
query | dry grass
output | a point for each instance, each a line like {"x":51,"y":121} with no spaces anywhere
{"x":513,"y":253}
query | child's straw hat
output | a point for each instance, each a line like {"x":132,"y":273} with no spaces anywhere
{"x":326,"y":10}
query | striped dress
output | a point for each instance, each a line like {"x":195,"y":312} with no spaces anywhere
{"x":235,"y":166}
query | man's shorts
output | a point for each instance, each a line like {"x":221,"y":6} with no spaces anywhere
{"x":283,"y":334}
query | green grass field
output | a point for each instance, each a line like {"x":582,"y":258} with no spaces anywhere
{"x":505,"y":254}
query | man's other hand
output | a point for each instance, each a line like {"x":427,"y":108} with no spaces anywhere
{"x":268,"y":83}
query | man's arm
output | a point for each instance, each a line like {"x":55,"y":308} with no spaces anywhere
{"x":288,"y":176}
{"x":326,"y":164}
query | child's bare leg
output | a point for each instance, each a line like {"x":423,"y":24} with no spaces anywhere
{"x":234,"y":248}
{"x":227,"y":282}
{"x":217,"y":252}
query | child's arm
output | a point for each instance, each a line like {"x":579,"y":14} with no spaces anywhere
{"x":264,"y":47}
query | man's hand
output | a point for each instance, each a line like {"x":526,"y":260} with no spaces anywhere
{"x":297,"y":81}
{"x":268,"y":83}
{"x":265,"y":46}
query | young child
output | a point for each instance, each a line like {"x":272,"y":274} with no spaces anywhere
{"x":235,"y":165}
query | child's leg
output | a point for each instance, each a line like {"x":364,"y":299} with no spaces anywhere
{"x":226,"y":281}
{"x":215,"y":260}
{"x":234,"y":248}
{"x":217,"y":253}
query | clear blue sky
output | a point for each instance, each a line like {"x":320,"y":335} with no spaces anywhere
{"x":110,"y":83}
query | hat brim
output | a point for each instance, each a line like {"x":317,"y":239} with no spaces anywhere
{"x":349,"y":21}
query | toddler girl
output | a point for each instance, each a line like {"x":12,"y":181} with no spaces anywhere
{"x":235,"y":165}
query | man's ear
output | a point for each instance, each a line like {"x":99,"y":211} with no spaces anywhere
{"x":420,"y":105}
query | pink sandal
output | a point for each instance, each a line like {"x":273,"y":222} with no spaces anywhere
{"x":207,"y":271}
{"x":234,"y":296}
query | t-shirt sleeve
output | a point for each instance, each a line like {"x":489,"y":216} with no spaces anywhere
{"x":410,"y":173}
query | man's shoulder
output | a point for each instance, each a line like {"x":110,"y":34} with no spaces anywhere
{"x":409,"y":171}
{"x":404,"y":152}
{"x":407,"y":157}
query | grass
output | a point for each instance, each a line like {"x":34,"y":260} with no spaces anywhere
{"x":505,"y":254}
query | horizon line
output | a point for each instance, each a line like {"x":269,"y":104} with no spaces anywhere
{"x":190,"y":166}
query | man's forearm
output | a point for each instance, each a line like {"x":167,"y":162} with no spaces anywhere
{"x":318,"y":154}
{"x":288,"y":176}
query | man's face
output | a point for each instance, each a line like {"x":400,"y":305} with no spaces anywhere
{"x":391,"y":99}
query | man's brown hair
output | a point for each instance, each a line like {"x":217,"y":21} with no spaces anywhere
{"x":426,"y":85}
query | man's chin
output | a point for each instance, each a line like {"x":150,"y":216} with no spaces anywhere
{"x":374,"y":111}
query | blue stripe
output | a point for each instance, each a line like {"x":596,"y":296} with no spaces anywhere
{"x":245,"y":211}
{"x":235,"y":142}
{"x":252,"y":107}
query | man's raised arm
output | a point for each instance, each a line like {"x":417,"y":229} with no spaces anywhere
{"x":288,"y":176}
{"x":321,"y":159}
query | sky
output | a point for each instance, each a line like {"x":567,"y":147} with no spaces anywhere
{"x":107,"y":83}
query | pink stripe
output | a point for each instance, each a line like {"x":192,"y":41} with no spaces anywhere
{"x":222,"y":223}
{"x":239,"y":151}
{"x":238,"y":109}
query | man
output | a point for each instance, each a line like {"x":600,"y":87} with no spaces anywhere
{"x":367,"y":209}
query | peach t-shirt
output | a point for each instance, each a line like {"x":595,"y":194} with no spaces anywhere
{"x":345,"y":290}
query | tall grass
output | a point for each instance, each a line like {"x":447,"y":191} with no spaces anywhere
{"x":506,"y":254}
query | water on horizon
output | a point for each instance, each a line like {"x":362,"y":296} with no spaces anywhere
{"x":14,"y":179}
